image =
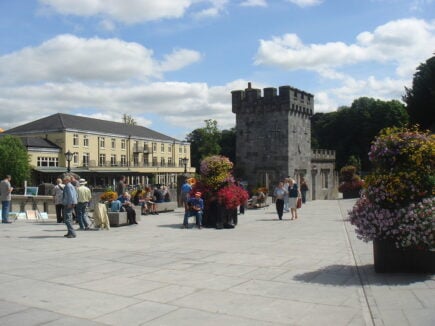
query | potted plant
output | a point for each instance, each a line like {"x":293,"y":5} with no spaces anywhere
{"x":351,"y":183}
{"x":396,"y":211}
{"x":221,"y":194}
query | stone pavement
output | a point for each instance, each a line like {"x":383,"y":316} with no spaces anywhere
{"x":310,"y":271}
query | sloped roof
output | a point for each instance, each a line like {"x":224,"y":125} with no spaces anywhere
{"x":61,"y":122}
{"x":37,"y":142}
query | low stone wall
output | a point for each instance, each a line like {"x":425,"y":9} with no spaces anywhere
{"x":21,"y":203}
{"x":117,"y":218}
{"x":166,"y":206}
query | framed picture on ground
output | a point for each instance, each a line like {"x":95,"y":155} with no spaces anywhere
{"x":31,"y":191}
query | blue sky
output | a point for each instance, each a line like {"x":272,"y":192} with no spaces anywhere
{"x":171,"y":64}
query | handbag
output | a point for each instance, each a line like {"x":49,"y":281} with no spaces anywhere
{"x":299,"y":202}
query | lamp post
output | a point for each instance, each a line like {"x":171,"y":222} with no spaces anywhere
{"x":184,"y":161}
{"x":69,"y":157}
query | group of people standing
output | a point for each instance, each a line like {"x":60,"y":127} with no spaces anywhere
{"x":71,"y":197}
{"x":289,"y":197}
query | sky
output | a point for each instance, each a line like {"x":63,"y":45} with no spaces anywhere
{"x":172,"y":64}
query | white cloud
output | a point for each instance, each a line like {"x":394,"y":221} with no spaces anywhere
{"x":306,"y":3}
{"x":134,"y":11}
{"x":127,"y":11}
{"x":107,"y":25}
{"x":69,"y":58}
{"x":254,"y":3}
{"x":175,"y":103}
{"x":405,"y":43}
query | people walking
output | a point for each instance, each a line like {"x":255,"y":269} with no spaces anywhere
{"x":186,"y":188}
{"x":69,"y":201}
{"x":304,"y":189}
{"x":293,"y":198}
{"x":286,"y":185}
{"x":279,"y":194}
{"x":84,"y":196}
{"x":57,"y":198}
{"x":6,"y":197}
{"x":121,"y":187}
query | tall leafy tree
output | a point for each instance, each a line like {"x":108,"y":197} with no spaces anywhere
{"x":350,"y":130}
{"x":228,"y":144}
{"x":14,"y":159}
{"x":127,"y":119}
{"x":204,"y":142}
{"x":420,"y":99}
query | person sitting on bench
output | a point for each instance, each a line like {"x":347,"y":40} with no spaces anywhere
{"x":196,"y":207}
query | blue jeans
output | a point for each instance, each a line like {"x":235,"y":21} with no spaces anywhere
{"x":81,"y":215}
{"x":5,"y":210}
{"x":68,"y":218}
{"x":197,"y":214}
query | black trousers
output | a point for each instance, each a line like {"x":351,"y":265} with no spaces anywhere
{"x":279,"y":207}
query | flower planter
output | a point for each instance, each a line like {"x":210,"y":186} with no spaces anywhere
{"x":351,"y":194}
{"x":217,"y":216}
{"x":389,"y":259}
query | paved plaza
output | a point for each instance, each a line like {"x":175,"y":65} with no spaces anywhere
{"x":310,"y":271}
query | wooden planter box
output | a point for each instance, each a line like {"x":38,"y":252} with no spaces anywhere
{"x":389,"y":259}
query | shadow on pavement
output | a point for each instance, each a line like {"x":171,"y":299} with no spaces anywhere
{"x":346,"y":275}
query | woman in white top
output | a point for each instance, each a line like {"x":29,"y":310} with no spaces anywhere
{"x":57,"y":198}
{"x":280,"y":192}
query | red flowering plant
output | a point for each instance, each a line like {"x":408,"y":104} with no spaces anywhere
{"x":216,"y":182}
{"x":350,"y":181}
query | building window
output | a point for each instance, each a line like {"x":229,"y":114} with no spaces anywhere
{"x":76,"y":158}
{"x":113,"y":141}
{"x":136,"y":159}
{"x":76,"y":140}
{"x":48,"y":161}
{"x":145,"y":160}
{"x":102,"y":142}
{"x":169,"y":148}
{"x":154,"y":160}
{"x":102,"y":160}
{"x":162,"y":148}
{"x":324,"y":175}
{"x":162,"y":161}
{"x":86,"y":159}
{"x":123,"y":160}
{"x":123,"y":146}
{"x":85,"y":141}
{"x":170,"y":161}
{"x":113,"y":160}
{"x":154,"y":147}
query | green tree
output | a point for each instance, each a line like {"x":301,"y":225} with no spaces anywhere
{"x":204,"y":142}
{"x":228,"y":144}
{"x":127,"y":119}
{"x":350,"y":130}
{"x":14,"y":159}
{"x":420,"y":99}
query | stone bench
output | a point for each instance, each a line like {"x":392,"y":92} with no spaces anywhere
{"x":117,"y":218}
{"x":166,"y":206}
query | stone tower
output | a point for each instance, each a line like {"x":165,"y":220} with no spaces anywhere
{"x":273,"y":134}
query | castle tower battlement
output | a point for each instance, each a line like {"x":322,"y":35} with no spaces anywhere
{"x":289,"y":98}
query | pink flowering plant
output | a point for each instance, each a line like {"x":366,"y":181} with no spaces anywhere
{"x":399,"y":195}
{"x":216,"y":182}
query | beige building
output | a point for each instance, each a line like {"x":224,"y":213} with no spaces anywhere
{"x":101,"y":151}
